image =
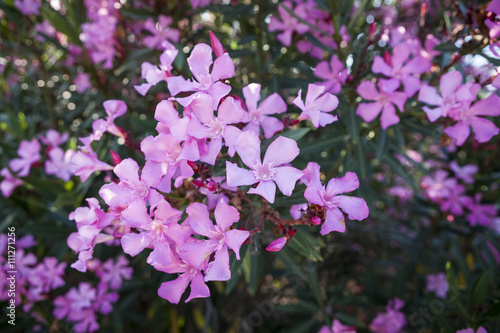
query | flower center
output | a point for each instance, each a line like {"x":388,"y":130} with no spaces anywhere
{"x":216,"y":127}
{"x":157,"y":227}
{"x":264,"y":172}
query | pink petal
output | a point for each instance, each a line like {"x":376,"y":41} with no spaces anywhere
{"x":136,"y":215}
{"x":218,"y":90}
{"x":252,"y":95}
{"x":160,"y":255}
{"x":449,"y":83}
{"x":230,"y":112}
{"x":177,"y":84}
{"x":201,"y":106}
{"x":223,"y":68}
{"x":381,"y":67}
{"x":248,"y":148}
{"x":484,"y":129}
{"x":286,"y":177}
{"x":199,"y":61}
{"x":198,"y":287}
{"x":237,"y":176}
{"x":327,"y":102}
{"x":348,"y":183}
{"x":231,"y":134}
{"x":234,"y":240}
{"x":133,"y":244}
{"x":280,"y":151}
{"x":273,"y":104}
{"x":266,"y":189}
{"x":172,"y":290}
{"x":429,"y":95}
{"x":334,"y":221}
{"x":389,"y":116}
{"x":368,"y":90}
{"x":460,"y":132}
{"x":214,"y":147}
{"x":433,"y":114}
{"x":487,"y":107}
{"x":313,"y":92}
{"x":166,"y":113}
{"x":356,"y":208}
{"x":195,"y":253}
{"x":199,"y":219}
{"x":225,"y":215}
{"x":271,"y":125}
{"x":369,"y":111}
{"x":218,"y":270}
{"x":312,"y":195}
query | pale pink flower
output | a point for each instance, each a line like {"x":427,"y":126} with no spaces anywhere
{"x":268,"y":173}
{"x":160,"y":31}
{"x":317,"y":105}
{"x":384,"y":100}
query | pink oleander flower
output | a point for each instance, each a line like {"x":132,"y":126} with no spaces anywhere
{"x":483,"y":128}
{"x":98,"y":39}
{"x":28,"y":7}
{"x":206,"y":125}
{"x":333,"y":74}
{"x":90,"y":220}
{"x":173,"y":290}
{"x":454,"y":95}
{"x":158,"y":231}
{"x":220,"y":239}
{"x":465,"y":173}
{"x":114,"y":109}
{"x":153,"y":74}
{"x":113,"y":274}
{"x":454,"y":201}
{"x":53,"y":138}
{"x":318,"y":102}
{"x":85,"y":163}
{"x":60,"y":163}
{"x":391,"y":321}
{"x":130,"y":188}
{"x":337,"y":327}
{"x":383,"y":100}
{"x":482,"y":214}
{"x":9,"y":182}
{"x":400,"y":68}
{"x":272,"y":171}
{"x":160,"y":31}
{"x":44,"y":29}
{"x":439,"y":185}
{"x":82,"y":82}
{"x":287,"y":23}
{"x":49,"y":274}
{"x":206,"y":80}
{"x":258,"y":116}
{"x":438,"y":284}
{"x":329,"y":198}
{"x":29,"y":153}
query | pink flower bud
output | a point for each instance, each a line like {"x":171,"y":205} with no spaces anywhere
{"x":316,"y":220}
{"x":212,"y":186}
{"x":276,"y":245}
{"x":216,"y":45}
{"x":115,"y":157}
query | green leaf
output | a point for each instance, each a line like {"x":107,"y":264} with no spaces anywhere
{"x":479,"y":291}
{"x":493,"y":312}
{"x":382,"y":144}
{"x":306,"y":244}
{"x":61,"y":24}
{"x":446,"y":47}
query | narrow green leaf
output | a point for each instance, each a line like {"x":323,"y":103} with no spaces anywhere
{"x":480,"y":289}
